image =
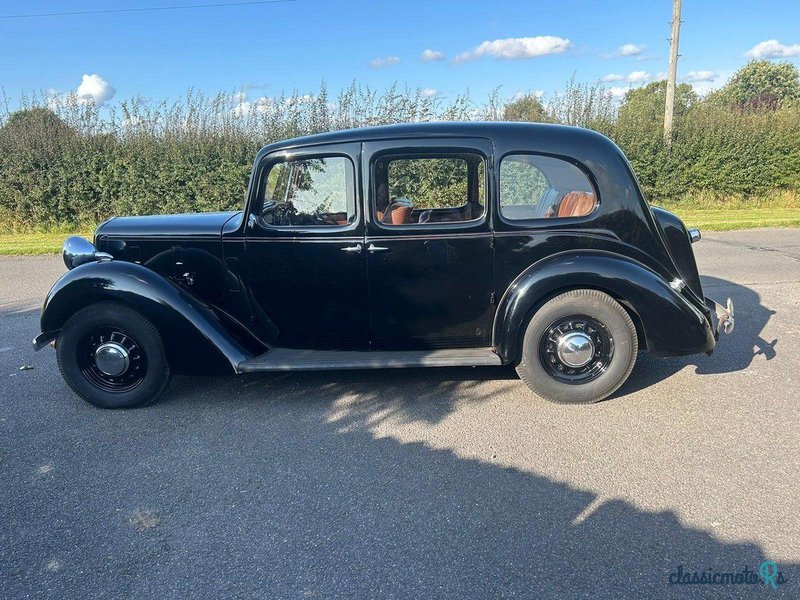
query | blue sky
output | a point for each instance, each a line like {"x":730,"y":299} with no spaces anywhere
{"x":293,"y":46}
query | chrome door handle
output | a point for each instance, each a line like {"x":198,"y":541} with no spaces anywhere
{"x":373,"y":248}
{"x":356,"y":249}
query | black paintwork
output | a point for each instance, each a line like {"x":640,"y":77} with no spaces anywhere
{"x":222,"y":289}
{"x":195,"y":338}
{"x":679,"y":245}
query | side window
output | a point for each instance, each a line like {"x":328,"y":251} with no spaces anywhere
{"x":543,"y":187}
{"x":312,"y":191}
{"x":423,"y":189}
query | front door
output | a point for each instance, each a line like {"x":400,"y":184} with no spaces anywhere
{"x":304,"y":256}
{"x":429,"y":244}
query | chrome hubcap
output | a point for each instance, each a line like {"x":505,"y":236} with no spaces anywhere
{"x":111,"y":359}
{"x":575,"y":349}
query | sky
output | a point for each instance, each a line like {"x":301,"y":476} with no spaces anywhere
{"x":442,"y":47}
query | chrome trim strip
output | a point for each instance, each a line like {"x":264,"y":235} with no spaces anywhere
{"x":556,"y":231}
{"x":437,"y":236}
{"x":329,"y":240}
{"x":369,"y":238}
{"x":205,"y":237}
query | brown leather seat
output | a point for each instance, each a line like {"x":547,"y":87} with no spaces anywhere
{"x":576,"y":204}
{"x":398,"y":213}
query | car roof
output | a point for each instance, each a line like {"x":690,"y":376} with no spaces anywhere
{"x":541,"y":132}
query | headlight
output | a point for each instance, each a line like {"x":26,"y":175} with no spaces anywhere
{"x":77,"y":251}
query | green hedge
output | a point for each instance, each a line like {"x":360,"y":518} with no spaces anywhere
{"x":71,"y":165}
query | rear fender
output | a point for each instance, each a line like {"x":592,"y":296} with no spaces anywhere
{"x":671,"y":324}
{"x":194,"y":338}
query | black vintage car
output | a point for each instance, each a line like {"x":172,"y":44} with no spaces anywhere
{"x":426,"y":245}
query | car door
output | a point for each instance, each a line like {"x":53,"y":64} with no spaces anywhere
{"x":304,"y":248}
{"x":429,"y":243}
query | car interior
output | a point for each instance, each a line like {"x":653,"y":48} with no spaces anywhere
{"x":423,"y":189}
{"x":543,"y":187}
{"x":429,"y":188}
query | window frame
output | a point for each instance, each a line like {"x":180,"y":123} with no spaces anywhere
{"x":540,"y":221}
{"x":428,"y":148}
{"x":286,"y":156}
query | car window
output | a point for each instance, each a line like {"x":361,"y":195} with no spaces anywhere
{"x":309,"y":192}
{"x":543,"y":187}
{"x":425,"y":189}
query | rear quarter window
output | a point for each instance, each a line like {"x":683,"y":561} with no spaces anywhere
{"x":533,"y":186}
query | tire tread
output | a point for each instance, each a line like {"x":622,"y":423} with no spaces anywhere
{"x":582,"y":294}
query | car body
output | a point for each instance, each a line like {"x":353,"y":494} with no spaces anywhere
{"x":431,"y":244}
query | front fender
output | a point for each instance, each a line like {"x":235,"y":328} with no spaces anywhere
{"x":194,"y":338}
{"x":672,"y":325}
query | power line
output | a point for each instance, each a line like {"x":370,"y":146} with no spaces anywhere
{"x":153,"y":8}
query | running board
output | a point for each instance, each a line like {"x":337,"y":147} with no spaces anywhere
{"x":287,"y":359}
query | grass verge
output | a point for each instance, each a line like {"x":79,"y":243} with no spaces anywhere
{"x":729,"y":219}
{"x":20,"y":243}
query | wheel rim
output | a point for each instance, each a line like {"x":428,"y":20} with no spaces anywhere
{"x":112,"y":360}
{"x":576,"y":349}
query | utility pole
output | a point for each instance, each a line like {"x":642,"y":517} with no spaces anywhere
{"x":673,"y":71}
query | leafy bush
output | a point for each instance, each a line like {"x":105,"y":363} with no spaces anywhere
{"x":63,"y":163}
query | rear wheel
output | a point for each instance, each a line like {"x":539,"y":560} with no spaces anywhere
{"x":112,"y":356}
{"x":579,"y":347}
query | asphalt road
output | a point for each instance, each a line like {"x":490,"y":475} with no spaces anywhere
{"x":416,"y":483}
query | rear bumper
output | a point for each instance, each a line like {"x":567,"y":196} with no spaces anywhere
{"x":722,"y":319}
{"x":41,"y":340}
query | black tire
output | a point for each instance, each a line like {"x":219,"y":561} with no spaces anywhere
{"x":613,"y":348}
{"x":147,"y":373}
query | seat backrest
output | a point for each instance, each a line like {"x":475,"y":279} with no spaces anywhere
{"x":576,"y":204}
{"x":398,"y":213}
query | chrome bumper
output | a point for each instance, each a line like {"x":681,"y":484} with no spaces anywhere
{"x":722,"y":316}
{"x":41,"y":340}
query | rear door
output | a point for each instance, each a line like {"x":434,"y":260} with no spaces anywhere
{"x":429,"y":245}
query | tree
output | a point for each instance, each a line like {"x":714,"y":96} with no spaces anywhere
{"x":526,"y":108}
{"x":761,"y":84}
{"x":644,"y":106}
{"x":36,"y":130}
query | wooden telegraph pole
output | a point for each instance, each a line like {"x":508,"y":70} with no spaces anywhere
{"x":673,"y":71}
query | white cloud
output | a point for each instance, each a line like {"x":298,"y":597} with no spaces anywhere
{"x":629,"y":50}
{"x":637,"y":77}
{"x":632,"y":77}
{"x":429,"y":55}
{"x":95,"y":89}
{"x":295,"y":100}
{"x":385,"y":61}
{"x":699,"y":76}
{"x":262,"y":105}
{"x":265,"y":105}
{"x":516,"y":48}
{"x":618,"y":92}
{"x":773,"y":49}
{"x":429,"y":92}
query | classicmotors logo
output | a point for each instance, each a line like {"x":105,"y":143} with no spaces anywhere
{"x":768,"y":574}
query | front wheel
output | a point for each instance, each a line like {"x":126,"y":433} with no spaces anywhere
{"x":112,"y":356}
{"x":578,"y":348}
